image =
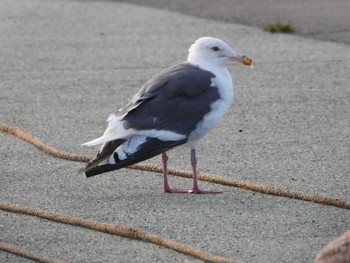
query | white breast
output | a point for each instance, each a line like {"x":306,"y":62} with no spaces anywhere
{"x":223,"y":82}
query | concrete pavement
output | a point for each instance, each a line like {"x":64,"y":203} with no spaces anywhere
{"x":65,"y":65}
{"x":320,"y":19}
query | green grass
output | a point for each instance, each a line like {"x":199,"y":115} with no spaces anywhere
{"x":279,"y":27}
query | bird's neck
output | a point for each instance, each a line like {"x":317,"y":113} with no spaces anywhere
{"x":205,"y":65}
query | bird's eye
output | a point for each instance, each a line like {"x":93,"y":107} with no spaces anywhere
{"x":215,"y":48}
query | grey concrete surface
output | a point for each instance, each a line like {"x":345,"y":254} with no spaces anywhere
{"x":320,"y":19}
{"x":65,"y":65}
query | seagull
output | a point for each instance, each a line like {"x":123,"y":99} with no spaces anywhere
{"x":176,"y":107}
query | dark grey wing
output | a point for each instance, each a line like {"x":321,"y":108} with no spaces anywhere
{"x":176,"y":80}
{"x":175,"y":100}
{"x":150,"y":148}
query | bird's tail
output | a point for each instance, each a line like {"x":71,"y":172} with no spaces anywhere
{"x":103,"y":154}
{"x":122,"y":153}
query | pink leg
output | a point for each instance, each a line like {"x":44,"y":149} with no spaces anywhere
{"x":195,"y":188}
{"x":166,"y":187}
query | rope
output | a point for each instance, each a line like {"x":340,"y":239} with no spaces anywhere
{"x":113,"y":229}
{"x":261,"y":188}
{"x":19,"y":133}
{"x":27,"y":254}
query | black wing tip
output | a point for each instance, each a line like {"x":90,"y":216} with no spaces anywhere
{"x":86,"y":173}
{"x":99,"y":169}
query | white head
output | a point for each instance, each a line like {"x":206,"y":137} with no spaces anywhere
{"x":214,"y":51}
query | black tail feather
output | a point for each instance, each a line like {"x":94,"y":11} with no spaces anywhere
{"x":104,"y":153}
{"x":149,"y":149}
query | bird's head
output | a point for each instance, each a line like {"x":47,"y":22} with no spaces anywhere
{"x":214,"y":51}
